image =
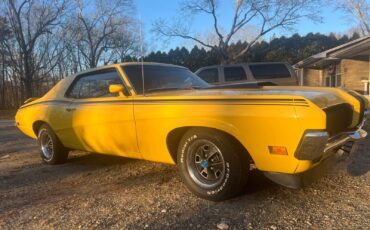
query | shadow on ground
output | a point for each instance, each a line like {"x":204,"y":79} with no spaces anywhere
{"x":360,"y":161}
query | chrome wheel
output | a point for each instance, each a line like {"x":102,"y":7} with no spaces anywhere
{"x":205,"y":163}
{"x":46,"y":144}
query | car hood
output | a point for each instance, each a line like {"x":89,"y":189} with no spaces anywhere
{"x":321,"y":96}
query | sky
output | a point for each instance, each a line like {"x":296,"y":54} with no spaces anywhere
{"x":150,"y":10}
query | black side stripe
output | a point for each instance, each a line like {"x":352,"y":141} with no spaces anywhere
{"x":255,"y":101}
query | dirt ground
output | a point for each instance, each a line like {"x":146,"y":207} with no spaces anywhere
{"x":96,"y":191}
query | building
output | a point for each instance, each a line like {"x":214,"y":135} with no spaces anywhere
{"x":345,"y":66}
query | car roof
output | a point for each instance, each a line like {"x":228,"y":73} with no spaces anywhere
{"x":243,"y":63}
{"x":149,"y":63}
{"x":126,"y":64}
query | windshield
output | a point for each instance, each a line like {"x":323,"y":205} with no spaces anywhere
{"x":157,"y":78}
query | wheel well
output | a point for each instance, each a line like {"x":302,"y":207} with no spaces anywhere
{"x":173,"y":141}
{"x":36,"y":126}
{"x":174,"y":138}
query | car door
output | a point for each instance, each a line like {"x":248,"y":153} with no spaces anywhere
{"x":101,"y":121}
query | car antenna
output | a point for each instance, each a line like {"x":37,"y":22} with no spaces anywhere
{"x":142,"y":57}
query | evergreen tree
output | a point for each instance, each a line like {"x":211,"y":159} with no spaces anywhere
{"x":288,"y":49}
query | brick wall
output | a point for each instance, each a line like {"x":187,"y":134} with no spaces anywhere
{"x":311,"y":77}
{"x":353,"y":71}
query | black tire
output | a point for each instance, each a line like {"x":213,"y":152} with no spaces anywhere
{"x":200,"y":166}
{"x":52,"y":150}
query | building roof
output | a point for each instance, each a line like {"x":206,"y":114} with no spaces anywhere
{"x":358,"y":49}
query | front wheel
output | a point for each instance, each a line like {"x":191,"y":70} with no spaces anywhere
{"x":212,"y":165}
{"x":52,"y":150}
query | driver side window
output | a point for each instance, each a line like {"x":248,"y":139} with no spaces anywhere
{"x":94,"y":85}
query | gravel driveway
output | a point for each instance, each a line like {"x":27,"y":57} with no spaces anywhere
{"x":96,"y":191}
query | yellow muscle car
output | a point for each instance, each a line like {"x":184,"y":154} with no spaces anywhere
{"x":215,"y":134}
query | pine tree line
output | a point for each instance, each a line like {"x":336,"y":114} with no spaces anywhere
{"x":288,"y":49}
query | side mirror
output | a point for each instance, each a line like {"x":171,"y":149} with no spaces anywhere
{"x":118,"y":88}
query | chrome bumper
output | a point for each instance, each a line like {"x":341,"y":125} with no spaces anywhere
{"x":315,"y":144}
{"x":358,"y":135}
{"x":301,"y":179}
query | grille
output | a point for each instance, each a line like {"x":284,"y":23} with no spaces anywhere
{"x":338,"y":118}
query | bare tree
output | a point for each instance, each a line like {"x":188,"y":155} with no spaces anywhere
{"x":360,"y":10}
{"x":32,"y":22}
{"x":4,"y":36}
{"x":51,"y":39}
{"x":126,"y":42}
{"x":267,"y":15}
{"x":97,"y":23}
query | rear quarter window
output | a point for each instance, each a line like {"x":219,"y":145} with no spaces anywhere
{"x":94,"y":85}
{"x":269,"y":71}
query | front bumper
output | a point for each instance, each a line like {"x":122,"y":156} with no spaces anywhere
{"x":315,"y":145}
{"x":322,"y":151}
{"x":356,"y":136}
{"x":300,"y":180}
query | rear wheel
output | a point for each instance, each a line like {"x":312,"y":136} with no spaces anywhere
{"x":211,"y":164}
{"x":51,"y":149}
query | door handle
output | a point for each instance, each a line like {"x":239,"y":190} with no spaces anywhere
{"x":70,"y":109}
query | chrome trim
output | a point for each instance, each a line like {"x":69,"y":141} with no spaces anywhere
{"x":358,"y":135}
{"x":339,"y":103}
{"x":364,"y":119}
{"x":317,"y":134}
{"x":312,"y":145}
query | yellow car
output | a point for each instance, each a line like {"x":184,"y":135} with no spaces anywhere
{"x":215,"y":135}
